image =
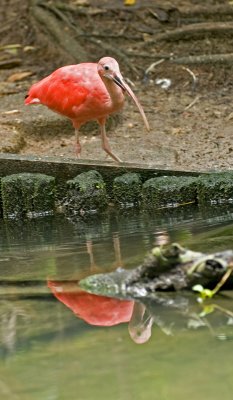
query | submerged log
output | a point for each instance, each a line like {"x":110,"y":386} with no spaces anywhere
{"x":167,"y":268}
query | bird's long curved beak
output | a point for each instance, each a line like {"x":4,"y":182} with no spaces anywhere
{"x":123,"y":85}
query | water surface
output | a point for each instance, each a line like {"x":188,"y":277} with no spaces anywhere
{"x":47,"y":352}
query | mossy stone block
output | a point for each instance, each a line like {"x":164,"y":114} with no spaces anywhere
{"x":215,"y":188}
{"x":169,"y":191}
{"x":127,"y":189}
{"x":86,"y":192}
{"x":27,"y":193}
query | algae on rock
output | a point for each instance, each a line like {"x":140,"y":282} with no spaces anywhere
{"x":215,"y":188}
{"x":127,"y":189}
{"x":169,"y":191}
{"x":86,"y":192}
{"x":27,"y":193}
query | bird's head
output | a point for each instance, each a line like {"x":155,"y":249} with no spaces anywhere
{"x":108,"y":68}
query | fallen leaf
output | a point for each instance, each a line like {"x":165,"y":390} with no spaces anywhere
{"x":29,"y":48}
{"x":11,"y":112}
{"x":83,"y":3}
{"x":10,"y":47}
{"x":129,"y":2}
{"x":19,"y":76}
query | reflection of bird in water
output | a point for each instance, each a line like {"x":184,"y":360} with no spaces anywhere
{"x":94,"y":268}
{"x":101,"y":310}
{"x":162,"y":238}
{"x":93,"y":309}
{"x":117,"y":250}
{"x":104,"y":311}
{"x":140,"y":324}
{"x":10,"y":313}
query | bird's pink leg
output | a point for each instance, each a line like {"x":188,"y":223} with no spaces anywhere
{"x":78,"y":147}
{"x":105,"y":144}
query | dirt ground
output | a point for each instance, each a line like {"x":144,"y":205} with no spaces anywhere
{"x":191,"y":120}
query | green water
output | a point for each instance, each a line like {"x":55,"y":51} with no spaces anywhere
{"x":47,"y":352}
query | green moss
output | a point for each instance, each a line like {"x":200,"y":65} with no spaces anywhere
{"x":169,"y":191}
{"x":86,"y":192}
{"x":127,"y":189}
{"x":215,"y":188}
{"x":27,"y":193}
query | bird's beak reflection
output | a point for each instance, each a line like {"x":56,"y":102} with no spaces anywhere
{"x":123,"y":85}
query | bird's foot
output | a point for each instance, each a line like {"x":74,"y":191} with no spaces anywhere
{"x":111,"y":154}
{"x":115,"y":158}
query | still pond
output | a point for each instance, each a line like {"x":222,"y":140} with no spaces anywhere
{"x":58,"y":343}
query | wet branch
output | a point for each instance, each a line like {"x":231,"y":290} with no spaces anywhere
{"x":167,"y":268}
{"x":196,"y":30}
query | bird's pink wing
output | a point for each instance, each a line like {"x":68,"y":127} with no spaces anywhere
{"x":64,"y":91}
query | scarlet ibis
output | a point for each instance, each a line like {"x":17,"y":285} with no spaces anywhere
{"x":85,"y":92}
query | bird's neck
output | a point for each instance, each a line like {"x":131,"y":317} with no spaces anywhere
{"x":115,"y":92}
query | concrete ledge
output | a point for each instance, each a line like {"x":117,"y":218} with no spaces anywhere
{"x":34,"y":185}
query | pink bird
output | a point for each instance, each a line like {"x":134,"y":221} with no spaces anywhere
{"x":85,"y":92}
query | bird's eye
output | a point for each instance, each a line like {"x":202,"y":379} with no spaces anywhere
{"x":106,"y":67}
